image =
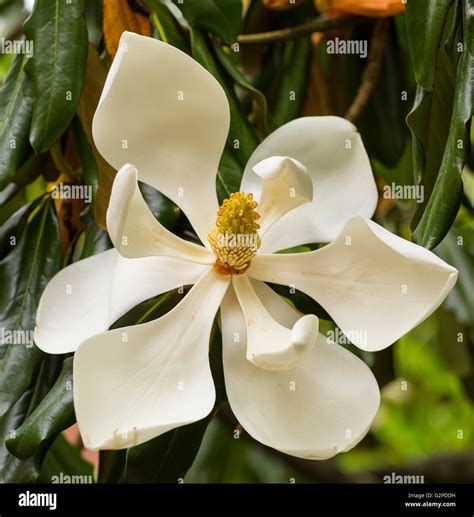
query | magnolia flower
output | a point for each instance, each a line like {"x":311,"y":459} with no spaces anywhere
{"x":164,"y":119}
{"x":371,"y":8}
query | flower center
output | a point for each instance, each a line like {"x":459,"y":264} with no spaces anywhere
{"x":234,"y":238}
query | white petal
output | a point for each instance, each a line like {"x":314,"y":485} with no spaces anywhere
{"x":375,"y":285}
{"x":136,"y":232}
{"x":286,"y":184}
{"x":323,"y":406}
{"x":137,"y":280}
{"x":272,"y":346}
{"x":163,"y":112}
{"x":332,"y":151}
{"x":86,"y":297}
{"x":135,"y":383}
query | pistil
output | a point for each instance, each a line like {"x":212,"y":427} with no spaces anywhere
{"x":234,"y":238}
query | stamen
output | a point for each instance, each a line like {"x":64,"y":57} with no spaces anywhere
{"x":234,"y":238}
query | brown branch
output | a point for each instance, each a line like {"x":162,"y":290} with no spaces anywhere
{"x":371,"y":73}
{"x":323,"y":23}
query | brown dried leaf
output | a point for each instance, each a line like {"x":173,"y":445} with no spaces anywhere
{"x":96,"y":74}
{"x":119,"y":17}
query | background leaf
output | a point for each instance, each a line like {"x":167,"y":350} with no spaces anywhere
{"x":222,"y":18}
{"x":54,"y":414}
{"x":64,"y":460}
{"x":425,"y":25}
{"x":292,"y":81}
{"x":166,"y":25}
{"x":16,"y":104}
{"x":58,"y":31}
{"x":24,"y":273}
{"x":96,"y":74}
{"x":242,"y":138}
{"x":445,"y":196}
{"x":120,"y":17}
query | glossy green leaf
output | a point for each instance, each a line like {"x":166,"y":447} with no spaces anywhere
{"x":259,"y":99}
{"x":86,"y":157}
{"x":64,"y":464}
{"x":300,"y":301}
{"x":57,"y":68}
{"x":166,"y":25}
{"x":229,"y":175}
{"x":165,"y":459}
{"x":160,"y":206}
{"x":447,"y":192}
{"x":225,"y":459}
{"x":429,"y":124}
{"x":223,"y":18}
{"x":387,"y":108}
{"x":293,"y":80}
{"x":425,"y":21}
{"x":241,"y":139}
{"x":24,"y":273}
{"x":16,"y":105}
{"x":12,"y":229}
{"x":93,"y":14}
{"x":13,"y":470}
{"x":54,"y":414}
{"x":93,"y":240}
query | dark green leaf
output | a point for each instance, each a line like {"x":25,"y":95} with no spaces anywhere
{"x":224,"y":458}
{"x":386,"y":110}
{"x":13,"y":470}
{"x":94,"y":15}
{"x":242,"y":139}
{"x":229,"y":175}
{"x":24,"y":273}
{"x":86,"y":157}
{"x":95,"y":240}
{"x":402,"y":173}
{"x":222,"y":18}
{"x":63,"y":464}
{"x":16,"y":104}
{"x":54,"y":414}
{"x":259,"y":99}
{"x":11,"y":231}
{"x":57,"y":68}
{"x":165,"y":459}
{"x":161,"y":207}
{"x":167,"y":27}
{"x":111,"y":466}
{"x":425,"y":22}
{"x":293,"y":80}
{"x":301,"y":301}
{"x":447,"y":192}
{"x":429,"y":125}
